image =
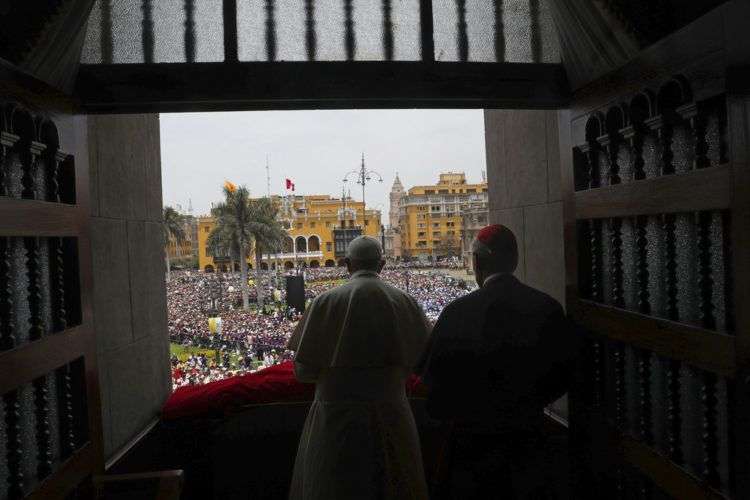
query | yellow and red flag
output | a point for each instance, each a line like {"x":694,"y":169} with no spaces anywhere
{"x":230,"y":186}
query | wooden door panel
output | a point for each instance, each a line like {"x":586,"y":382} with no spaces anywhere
{"x":654,"y":293}
{"x":49,"y":404}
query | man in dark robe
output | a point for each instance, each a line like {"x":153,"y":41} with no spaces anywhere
{"x":496,"y":358}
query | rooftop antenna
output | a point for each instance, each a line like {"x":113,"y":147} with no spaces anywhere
{"x":190,"y":206}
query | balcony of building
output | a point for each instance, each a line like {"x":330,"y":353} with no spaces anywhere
{"x":623,"y":171}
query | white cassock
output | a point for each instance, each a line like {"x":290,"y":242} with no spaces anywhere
{"x":358,"y":343}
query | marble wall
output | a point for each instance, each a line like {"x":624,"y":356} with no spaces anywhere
{"x":523,"y":175}
{"x":128,"y":269}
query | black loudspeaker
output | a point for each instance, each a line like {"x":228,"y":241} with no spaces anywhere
{"x":295,"y":292}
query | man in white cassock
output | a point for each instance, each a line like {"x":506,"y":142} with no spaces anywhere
{"x":358,"y":343}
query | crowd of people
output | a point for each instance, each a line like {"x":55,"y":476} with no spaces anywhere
{"x":244,"y":341}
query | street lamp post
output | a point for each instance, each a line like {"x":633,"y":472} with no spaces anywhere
{"x":363,"y":176}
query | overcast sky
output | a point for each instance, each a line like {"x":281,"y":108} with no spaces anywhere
{"x":315,"y":149}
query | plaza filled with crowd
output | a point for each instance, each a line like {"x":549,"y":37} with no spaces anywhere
{"x":244,"y":341}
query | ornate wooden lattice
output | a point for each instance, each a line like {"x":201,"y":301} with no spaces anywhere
{"x":655,"y":284}
{"x":46,"y":339}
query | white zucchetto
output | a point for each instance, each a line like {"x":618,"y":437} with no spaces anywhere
{"x":364,"y":248}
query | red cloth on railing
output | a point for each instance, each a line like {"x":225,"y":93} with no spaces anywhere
{"x":275,"y":384}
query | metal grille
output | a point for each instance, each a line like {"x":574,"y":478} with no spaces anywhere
{"x":172,"y":31}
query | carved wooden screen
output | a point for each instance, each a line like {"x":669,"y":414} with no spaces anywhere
{"x":49,"y":406}
{"x":653,"y":206}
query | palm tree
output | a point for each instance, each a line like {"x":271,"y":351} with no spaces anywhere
{"x":174,"y":229}
{"x":232,"y":225}
{"x":221,"y":244}
{"x":268,"y":235}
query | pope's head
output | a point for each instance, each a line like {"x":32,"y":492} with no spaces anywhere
{"x":364,"y":253}
{"x":495,"y":251}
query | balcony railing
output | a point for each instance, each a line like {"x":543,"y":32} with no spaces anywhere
{"x":291,"y":256}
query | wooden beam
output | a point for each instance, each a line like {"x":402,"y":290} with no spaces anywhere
{"x":38,"y":218}
{"x":140,"y":88}
{"x":705,"y":349}
{"x":34,"y":359}
{"x":68,"y":476}
{"x":670,"y":478}
{"x":705,"y":189}
{"x":20,"y":86}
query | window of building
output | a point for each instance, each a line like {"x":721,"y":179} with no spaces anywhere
{"x":429,"y":191}
{"x":299,"y":225}
{"x":206,"y":229}
{"x":435,"y":208}
{"x":443,"y":191}
{"x":421,"y":234}
{"x":312,"y":224}
{"x":471,"y":190}
{"x":328,"y":224}
{"x":367,"y":222}
{"x":435,"y":224}
{"x":328,"y":246}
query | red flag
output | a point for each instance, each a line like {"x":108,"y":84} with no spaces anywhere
{"x":289,"y":184}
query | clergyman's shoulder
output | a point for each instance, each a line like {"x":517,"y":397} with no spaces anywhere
{"x":465,"y":303}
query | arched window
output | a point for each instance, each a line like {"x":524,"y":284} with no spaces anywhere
{"x":313,"y":244}
{"x":301,"y":244}
{"x":288,"y":245}
{"x":330,"y":263}
{"x":264,"y":266}
{"x":288,"y":265}
{"x":314,"y":264}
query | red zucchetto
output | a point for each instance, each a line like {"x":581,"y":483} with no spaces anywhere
{"x":498,"y":243}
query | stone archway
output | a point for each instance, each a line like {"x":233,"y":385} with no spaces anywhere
{"x":264,"y":266}
{"x":313,"y":244}
{"x":208,"y":269}
{"x":300,"y":244}
{"x":314,"y":264}
{"x":330,"y":263}
{"x":288,"y":265}
{"x":341,"y":263}
{"x":223,"y":268}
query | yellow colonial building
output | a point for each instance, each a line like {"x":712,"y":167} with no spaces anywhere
{"x":319,"y":228}
{"x":430,"y":217}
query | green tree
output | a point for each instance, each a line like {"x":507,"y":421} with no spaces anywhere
{"x":268,"y":236}
{"x":244,"y":224}
{"x":232,"y":229}
{"x":222,"y":244}
{"x":174,"y":229}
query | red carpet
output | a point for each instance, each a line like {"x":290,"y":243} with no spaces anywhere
{"x":270,"y":385}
